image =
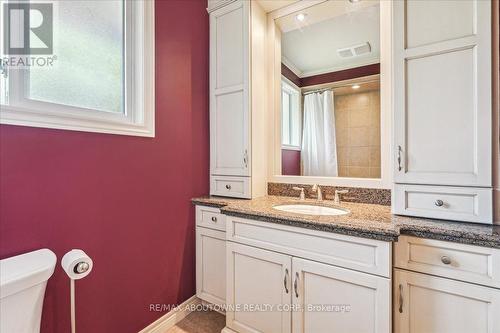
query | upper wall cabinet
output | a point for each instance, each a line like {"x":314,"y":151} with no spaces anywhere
{"x":442,"y":54}
{"x":442,"y":106}
{"x":237,"y":64}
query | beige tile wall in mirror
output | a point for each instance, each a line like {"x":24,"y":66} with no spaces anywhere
{"x":357,"y":125}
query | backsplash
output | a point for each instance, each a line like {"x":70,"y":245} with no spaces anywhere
{"x":356,"y":194}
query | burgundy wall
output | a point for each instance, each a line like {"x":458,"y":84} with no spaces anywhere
{"x":290,"y":162}
{"x":124,"y":200}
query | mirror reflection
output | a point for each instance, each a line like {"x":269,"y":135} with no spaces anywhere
{"x":330,"y":90}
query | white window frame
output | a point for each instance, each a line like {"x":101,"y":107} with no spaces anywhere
{"x":294,"y":92}
{"x":138,"y":118}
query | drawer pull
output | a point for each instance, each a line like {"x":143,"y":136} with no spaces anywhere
{"x":439,"y":203}
{"x":228,"y":186}
{"x":285,"y":280}
{"x":446,"y":260}
{"x":214,"y":219}
{"x":400,"y":298}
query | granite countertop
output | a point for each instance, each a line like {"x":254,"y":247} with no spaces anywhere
{"x":364,"y":220}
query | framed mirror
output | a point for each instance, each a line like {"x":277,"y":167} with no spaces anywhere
{"x":331,"y":98}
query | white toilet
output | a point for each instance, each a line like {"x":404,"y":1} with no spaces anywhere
{"x":22,"y":288}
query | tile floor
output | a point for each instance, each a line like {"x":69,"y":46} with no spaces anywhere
{"x":200,"y":322}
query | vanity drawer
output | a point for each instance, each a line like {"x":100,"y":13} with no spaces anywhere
{"x":228,"y":186}
{"x":450,"y":203}
{"x":361,"y":254}
{"x":210,"y":217}
{"x":469,"y":263}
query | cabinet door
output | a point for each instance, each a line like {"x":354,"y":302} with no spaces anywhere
{"x":429,"y":304}
{"x":229,"y":90}
{"x":442,"y":92}
{"x":211,"y":265}
{"x":258,"y":290}
{"x":333,"y":299}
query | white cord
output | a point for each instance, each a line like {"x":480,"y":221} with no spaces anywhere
{"x":72,"y":292}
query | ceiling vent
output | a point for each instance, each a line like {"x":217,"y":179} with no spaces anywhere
{"x":354,"y":51}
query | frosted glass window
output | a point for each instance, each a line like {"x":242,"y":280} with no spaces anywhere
{"x":285,"y":117}
{"x":290,"y":116}
{"x":89,"y":70}
{"x":88,"y":65}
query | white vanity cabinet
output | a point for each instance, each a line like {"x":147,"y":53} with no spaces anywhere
{"x":210,"y":255}
{"x":267,"y":265}
{"x":429,"y":304}
{"x":334,"y":299}
{"x":443,"y":109}
{"x":237,"y":97}
{"x":443,"y":302}
{"x":258,"y":278}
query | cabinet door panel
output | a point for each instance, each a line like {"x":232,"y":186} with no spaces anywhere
{"x":435,"y":117}
{"x":229,"y":125}
{"x":257,"y":278}
{"x":442,"y":92}
{"x":229,"y":90}
{"x":444,"y":20}
{"x":229,"y":48}
{"x":334,"y":299}
{"x":211,"y":265}
{"x":429,"y":304}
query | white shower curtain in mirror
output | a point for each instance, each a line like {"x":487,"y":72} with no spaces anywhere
{"x":319,"y":149}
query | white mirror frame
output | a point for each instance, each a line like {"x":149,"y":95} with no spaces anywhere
{"x":274,"y":69}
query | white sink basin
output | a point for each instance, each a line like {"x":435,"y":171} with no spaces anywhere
{"x":311,"y":210}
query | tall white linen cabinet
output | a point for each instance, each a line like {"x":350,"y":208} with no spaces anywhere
{"x":443,"y":109}
{"x":238,"y":126}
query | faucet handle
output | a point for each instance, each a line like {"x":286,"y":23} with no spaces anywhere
{"x":302,"y":193}
{"x":316,"y":188}
{"x":336,"y":200}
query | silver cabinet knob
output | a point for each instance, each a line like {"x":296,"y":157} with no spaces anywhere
{"x":214,"y":219}
{"x":446,"y":260}
{"x":228,"y":186}
{"x":439,"y":203}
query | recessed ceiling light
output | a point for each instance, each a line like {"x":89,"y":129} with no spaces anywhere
{"x":301,"y":17}
{"x":354,"y":1}
{"x":356,"y":86}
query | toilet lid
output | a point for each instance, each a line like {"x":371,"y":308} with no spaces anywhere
{"x":26,"y":270}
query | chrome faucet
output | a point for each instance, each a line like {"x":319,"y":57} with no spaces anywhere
{"x":316,"y":188}
{"x":302,"y":194}
{"x":336,"y":199}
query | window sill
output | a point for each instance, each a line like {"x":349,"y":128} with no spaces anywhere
{"x":287,"y":147}
{"x":23,"y":117}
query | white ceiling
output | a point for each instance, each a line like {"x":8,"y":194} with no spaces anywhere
{"x":270,"y":5}
{"x":311,"y":48}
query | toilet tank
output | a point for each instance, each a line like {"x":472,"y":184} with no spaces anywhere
{"x":22,"y":288}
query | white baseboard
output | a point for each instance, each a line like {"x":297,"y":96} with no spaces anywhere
{"x":173,"y":317}
{"x":214,"y":307}
{"x":227,"y":330}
